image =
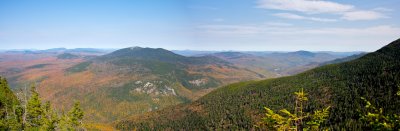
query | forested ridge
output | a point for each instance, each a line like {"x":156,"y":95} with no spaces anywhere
{"x":374,"y":76}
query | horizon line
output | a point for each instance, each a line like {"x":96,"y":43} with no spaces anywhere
{"x":32,"y":49}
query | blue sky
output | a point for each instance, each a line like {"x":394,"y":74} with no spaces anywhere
{"x":253,"y":25}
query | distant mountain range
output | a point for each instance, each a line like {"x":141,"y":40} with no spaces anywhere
{"x":60,"y":50}
{"x":281,"y":64}
{"x":180,"y":52}
{"x":259,"y":53}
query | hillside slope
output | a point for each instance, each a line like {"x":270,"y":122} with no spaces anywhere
{"x":345,"y":59}
{"x":375,"y":76}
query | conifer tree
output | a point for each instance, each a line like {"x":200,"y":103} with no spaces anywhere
{"x":294,"y":121}
{"x":72,"y":120}
{"x":64,"y":123}
{"x":376,"y":119}
{"x":2,"y":119}
{"x":9,"y":111}
{"x":50,"y":118}
{"x":33,"y":114}
{"x":76,"y":115}
{"x":34,"y":110}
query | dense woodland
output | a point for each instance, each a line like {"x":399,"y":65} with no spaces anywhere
{"x":28,"y":112}
{"x":344,"y":87}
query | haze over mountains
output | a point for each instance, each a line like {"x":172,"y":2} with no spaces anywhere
{"x":135,"y":80}
{"x":281,"y":64}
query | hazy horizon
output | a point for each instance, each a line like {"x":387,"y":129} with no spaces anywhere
{"x":189,"y":50}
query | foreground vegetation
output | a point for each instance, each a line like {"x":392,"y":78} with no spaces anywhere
{"x":29,"y":113}
{"x":374,"y":77}
{"x":375,"y":118}
{"x":299,"y":120}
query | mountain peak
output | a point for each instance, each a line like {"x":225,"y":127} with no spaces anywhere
{"x":148,"y":54}
{"x":304,"y":53}
{"x":135,"y":47}
{"x":230,"y":55}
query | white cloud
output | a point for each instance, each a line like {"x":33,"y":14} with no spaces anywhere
{"x":267,"y":37}
{"x":299,"y":17}
{"x":264,"y":30}
{"x":305,"y":6}
{"x":321,"y":19}
{"x":368,"y":31}
{"x":347,"y":12}
{"x":362,"y":15}
{"x":278,"y":24}
{"x":289,"y":16}
{"x":382,"y":9}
